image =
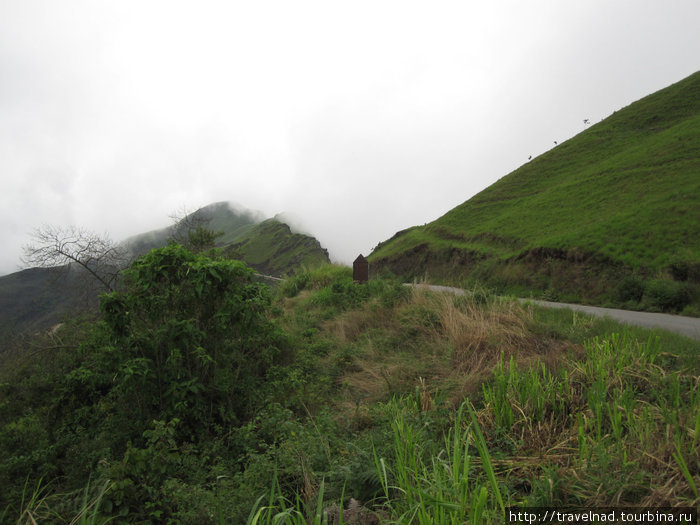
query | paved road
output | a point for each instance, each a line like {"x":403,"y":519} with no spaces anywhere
{"x":687,"y":326}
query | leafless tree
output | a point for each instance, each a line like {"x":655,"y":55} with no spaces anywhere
{"x":68,"y":247}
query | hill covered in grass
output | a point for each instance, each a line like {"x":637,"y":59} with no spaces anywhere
{"x":268,"y":245}
{"x":271,"y":247}
{"x":601,"y":218}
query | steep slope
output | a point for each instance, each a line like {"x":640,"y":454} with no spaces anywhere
{"x":622,"y":198}
{"x":222,"y":217}
{"x":272,"y":248}
{"x":38,"y":298}
{"x":268,"y":245}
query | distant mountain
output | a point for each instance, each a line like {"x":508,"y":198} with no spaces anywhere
{"x":272,"y":248}
{"x":38,"y":298}
{"x":268,"y":245}
{"x":618,"y":202}
{"x":233,"y":221}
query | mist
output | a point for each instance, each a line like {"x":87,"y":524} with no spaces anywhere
{"x":356,"y":120}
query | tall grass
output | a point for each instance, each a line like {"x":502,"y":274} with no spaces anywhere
{"x":610,"y":427}
{"x":38,"y":505}
{"x":450,"y":487}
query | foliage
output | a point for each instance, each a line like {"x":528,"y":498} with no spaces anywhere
{"x":631,"y":288}
{"x":666,"y":295}
{"x":180,"y":356}
{"x":375,"y":403}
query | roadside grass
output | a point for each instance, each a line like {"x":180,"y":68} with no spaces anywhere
{"x":612,"y":428}
{"x":680,"y":353}
{"x":474,"y":403}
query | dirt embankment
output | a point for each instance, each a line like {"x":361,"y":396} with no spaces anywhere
{"x":569,"y":274}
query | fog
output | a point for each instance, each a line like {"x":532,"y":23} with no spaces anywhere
{"x":356,"y":120}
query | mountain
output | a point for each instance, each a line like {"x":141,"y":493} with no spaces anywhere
{"x":268,"y":245}
{"x":38,"y":298}
{"x":272,"y":248}
{"x":231,"y":220}
{"x":618,"y":202}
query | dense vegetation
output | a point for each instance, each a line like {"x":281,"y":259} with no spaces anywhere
{"x":199,"y":396}
{"x":618,"y":202}
{"x":41,"y":297}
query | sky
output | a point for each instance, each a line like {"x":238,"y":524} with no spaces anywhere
{"x":357,"y":119}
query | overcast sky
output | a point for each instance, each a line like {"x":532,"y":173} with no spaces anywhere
{"x":358,"y":118}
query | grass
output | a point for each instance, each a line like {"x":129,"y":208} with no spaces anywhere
{"x":623,"y":195}
{"x":611,"y":428}
{"x":400,"y":405}
{"x":493,"y":405}
{"x":271,"y":247}
{"x":38,"y":505}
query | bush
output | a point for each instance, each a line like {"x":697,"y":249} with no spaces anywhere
{"x":292,"y":286}
{"x":192,"y":339}
{"x":550,"y":294}
{"x":631,"y":288}
{"x":667,"y":296}
{"x":679,"y":269}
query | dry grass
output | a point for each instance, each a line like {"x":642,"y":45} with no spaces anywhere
{"x":436,"y":341}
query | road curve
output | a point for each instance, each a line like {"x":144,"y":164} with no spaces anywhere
{"x":687,"y":326}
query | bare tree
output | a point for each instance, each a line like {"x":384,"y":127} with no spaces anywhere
{"x":67,"y":247}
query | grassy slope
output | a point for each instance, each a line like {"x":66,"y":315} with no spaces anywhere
{"x":221,"y":218}
{"x":37,"y":298}
{"x":550,"y":424}
{"x":271,"y":247}
{"x":625,"y":192}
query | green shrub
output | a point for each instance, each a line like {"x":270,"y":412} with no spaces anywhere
{"x":551,"y":294}
{"x":191,"y":339}
{"x":666,"y":296}
{"x":679,"y":269}
{"x":630,"y":288}
{"x":292,"y":286}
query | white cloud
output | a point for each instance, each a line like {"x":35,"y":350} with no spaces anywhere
{"x":114,"y":115}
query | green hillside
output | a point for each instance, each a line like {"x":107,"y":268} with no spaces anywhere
{"x":269,"y":245}
{"x":272,"y":248}
{"x":621,"y":199}
{"x":38,"y":298}
{"x":219,"y":216}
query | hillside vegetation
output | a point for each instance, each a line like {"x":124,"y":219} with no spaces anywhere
{"x":37,"y":298}
{"x":268,"y":245}
{"x":219,"y":217}
{"x":618,"y":202}
{"x":200,"y":396}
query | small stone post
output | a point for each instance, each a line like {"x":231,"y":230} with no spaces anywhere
{"x":360,"y":270}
